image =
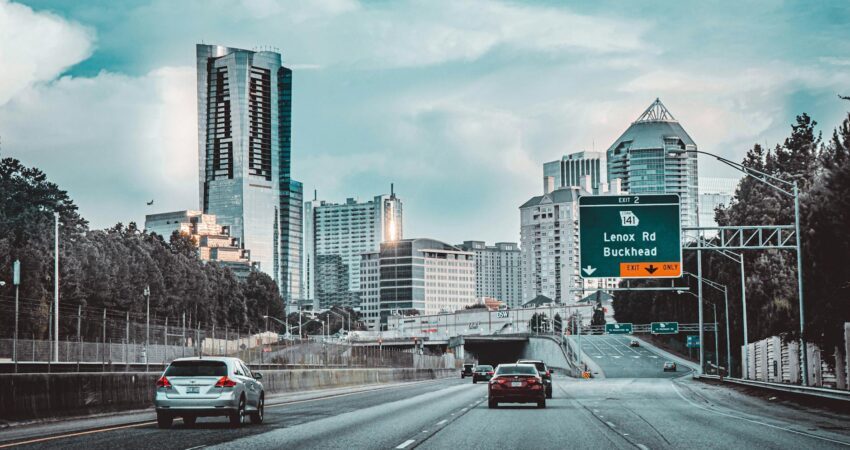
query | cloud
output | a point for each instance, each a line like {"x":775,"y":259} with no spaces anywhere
{"x":113,"y":141}
{"x":36,"y":47}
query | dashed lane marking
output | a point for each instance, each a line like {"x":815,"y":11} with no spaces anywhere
{"x":442,"y":421}
{"x":406,"y":443}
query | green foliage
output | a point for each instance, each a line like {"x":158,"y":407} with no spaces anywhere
{"x":110,"y":268}
{"x":598,"y":315}
{"x":539,"y":323}
{"x":558,"y":323}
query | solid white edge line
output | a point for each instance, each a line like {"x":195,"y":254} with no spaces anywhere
{"x":814,"y":436}
{"x":406,"y":443}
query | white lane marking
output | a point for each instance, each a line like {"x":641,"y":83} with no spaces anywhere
{"x":598,"y":356}
{"x":611,"y":424}
{"x":406,"y":443}
{"x":642,"y":447}
{"x":196,"y":447}
{"x":424,"y":431}
{"x":638,"y":356}
{"x":442,"y":421}
{"x":756,"y":421}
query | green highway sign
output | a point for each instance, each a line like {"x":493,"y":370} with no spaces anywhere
{"x":618,"y":328}
{"x":630,"y":236}
{"x":693,"y":342}
{"x":664,"y":327}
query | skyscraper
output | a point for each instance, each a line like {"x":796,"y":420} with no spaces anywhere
{"x":498,"y":271}
{"x":335,"y":236}
{"x":244,"y":150}
{"x":650,"y":157}
{"x":570,"y":171}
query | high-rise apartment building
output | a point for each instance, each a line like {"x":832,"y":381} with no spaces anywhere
{"x":652,"y":157}
{"x":244,"y":146}
{"x":550,"y":246}
{"x":571,"y":171}
{"x":498,"y":271}
{"x":714,"y":192}
{"x":424,"y":275}
{"x":335,"y":236}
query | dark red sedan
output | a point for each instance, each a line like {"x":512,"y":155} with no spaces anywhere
{"x":516,"y":383}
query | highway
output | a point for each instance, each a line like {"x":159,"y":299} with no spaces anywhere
{"x":618,"y":360}
{"x":646,"y":410}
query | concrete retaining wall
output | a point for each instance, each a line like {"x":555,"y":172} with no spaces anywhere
{"x":44,"y":395}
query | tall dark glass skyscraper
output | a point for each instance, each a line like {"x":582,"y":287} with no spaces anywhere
{"x":244,"y":149}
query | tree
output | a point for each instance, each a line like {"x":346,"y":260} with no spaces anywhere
{"x":598,"y":315}
{"x":539,"y":323}
{"x":475,"y":306}
{"x":558,"y":325}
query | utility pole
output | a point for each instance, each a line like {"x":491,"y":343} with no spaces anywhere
{"x":79,"y":340}
{"x":701,"y":326}
{"x":804,"y":364}
{"x":16,"y":280}
{"x":147,"y":293}
{"x":728,"y":350}
{"x":56,"y":285}
{"x":716,"y":341}
{"x":745,"y":364}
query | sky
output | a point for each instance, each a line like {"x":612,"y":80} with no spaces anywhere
{"x":458,"y":103}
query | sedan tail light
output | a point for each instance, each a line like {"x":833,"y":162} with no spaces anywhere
{"x":531,"y":380}
{"x":225,"y":382}
{"x":489,"y":373}
{"x":163,"y":382}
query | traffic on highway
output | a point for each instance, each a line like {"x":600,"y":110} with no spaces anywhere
{"x":632,"y":404}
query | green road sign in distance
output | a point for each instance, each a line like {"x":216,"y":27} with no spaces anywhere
{"x":630,"y":236}
{"x":693,"y":342}
{"x":618,"y":328}
{"x":664,"y":327}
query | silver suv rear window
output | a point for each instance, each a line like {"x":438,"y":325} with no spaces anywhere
{"x":196,"y":369}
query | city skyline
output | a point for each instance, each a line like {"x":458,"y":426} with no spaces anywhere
{"x":461,"y":134}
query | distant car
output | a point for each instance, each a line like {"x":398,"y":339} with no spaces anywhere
{"x":483,"y":373}
{"x":467,"y":370}
{"x":669,"y":366}
{"x":545,"y":373}
{"x":201,"y":387}
{"x":516,"y":383}
{"x":634,"y":343}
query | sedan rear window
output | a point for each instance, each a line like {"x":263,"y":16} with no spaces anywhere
{"x":516,"y":370}
{"x":196,"y":369}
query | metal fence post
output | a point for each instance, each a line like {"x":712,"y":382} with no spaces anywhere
{"x":127,"y":340}
{"x":79,"y":337}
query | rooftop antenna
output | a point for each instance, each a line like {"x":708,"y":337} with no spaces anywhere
{"x":315,"y":194}
{"x":392,"y":190}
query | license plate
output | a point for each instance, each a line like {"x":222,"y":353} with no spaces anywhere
{"x":516,"y":383}
{"x":193,"y":390}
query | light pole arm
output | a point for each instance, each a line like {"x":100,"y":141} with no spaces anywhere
{"x":755,"y":173}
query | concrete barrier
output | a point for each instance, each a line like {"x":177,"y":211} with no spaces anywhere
{"x":46,"y":395}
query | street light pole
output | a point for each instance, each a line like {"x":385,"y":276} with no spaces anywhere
{"x":763,"y":177}
{"x":147,"y":293}
{"x":728,"y":350}
{"x":699,"y":297}
{"x":56,"y":285}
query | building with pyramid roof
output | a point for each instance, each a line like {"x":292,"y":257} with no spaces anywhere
{"x":650,"y":158}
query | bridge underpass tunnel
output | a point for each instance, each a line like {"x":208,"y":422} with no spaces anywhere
{"x":495,"y":353}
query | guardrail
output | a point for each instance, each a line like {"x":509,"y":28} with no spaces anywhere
{"x":790,"y":388}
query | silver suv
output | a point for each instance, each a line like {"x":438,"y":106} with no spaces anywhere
{"x":207,"y":386}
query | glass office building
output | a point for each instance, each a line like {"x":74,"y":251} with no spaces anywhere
{"x":244,"y":149}
{"x":574,"y":169}
{"x":651,"y":157}
{"x":422,"y":275}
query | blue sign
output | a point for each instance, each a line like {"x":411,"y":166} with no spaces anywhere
{"x":693,"y":342}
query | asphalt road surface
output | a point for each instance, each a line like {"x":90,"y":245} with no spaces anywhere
{"x":618,"y":360}
{"x":598,"y":413}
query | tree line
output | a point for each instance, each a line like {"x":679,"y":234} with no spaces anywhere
{"x":110,"y":268}
{"x":821,"y":170}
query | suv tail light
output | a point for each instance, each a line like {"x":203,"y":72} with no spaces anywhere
{"x":548,"y":373}
{"x":163,"y":382}
{"x":225,"y":382}
{"x":490,"y":373}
